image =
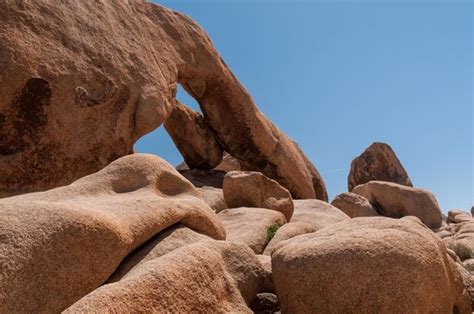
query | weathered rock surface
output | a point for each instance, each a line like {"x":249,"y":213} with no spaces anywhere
{"x":345,"y":268}
{"x":193,"y":138}
{"x":214,"y":197}
{"x":265,"y":303}
{"x":61,"y":244}
{"x":163,"y":243}
{"x":288,"y":231}
{"x":115,"y":65}
{"x":395,"y":200}
{"x":458,"y":233}
{"x":249,"y":225}
{"x":317,"y":214}
{"x":212,"y":276}
{"x":377,"y":163}
{"x":227,"y":164}
{"x":253,"y":189}
{"x":354,"y":205}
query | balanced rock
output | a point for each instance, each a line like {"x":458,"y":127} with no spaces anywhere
{"x":395,"y":200}
{"x":317,"y":214}
{"x":377,"y":163}
{"x":60,"y":244}
{"x":368,"y":265}
{"x":250,"y":225}
{"x":193,"y":138}
{"x":212,"y":276}
{"x":115,"y":65}
{"x":253,"y":189}
{"x":354,"y":205}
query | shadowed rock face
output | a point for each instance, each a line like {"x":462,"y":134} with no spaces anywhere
{"x":377,"y":163}
{"x":86,"y":79}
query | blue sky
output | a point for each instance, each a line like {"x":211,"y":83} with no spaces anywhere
{"x":337,"y":76}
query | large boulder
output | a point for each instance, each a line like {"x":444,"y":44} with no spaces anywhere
{"x":368,"y":265}
{"x":193,"y":138}
{"x":287,"y":231}
{"x":253,"y":189}
{"x":209,"y":276}
{"x":60,"y":244}
{"x":82,"y":81}
{"x":250,"y":225}
{"x":377,"y":163}
{"x":395,"y":200}
{"x":354,"y":205}
{"x":317,"y":214}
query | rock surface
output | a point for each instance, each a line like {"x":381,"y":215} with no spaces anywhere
{"x":193,"y":138}
{"x":61,"y":244}
{"x":345,"y":268}
{"x":317,"y":214}
{"x":288,"y":231}
{"x":227,"y":164}
{"x":377,"y":163}
{"x":213,"y":276}
{"x":253,"y":189}
{"x":395,"y":200}
{"x":70,"y":64}
{"x":354,"y":205}
{"x":458,"y":233}
{"x":214,"y":197}
{"x":250,"y":225}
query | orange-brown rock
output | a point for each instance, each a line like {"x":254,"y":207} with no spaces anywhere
{"x":83,"y":80}
{"x":288,"y":231}
{"x":458,"y":234}
{"x":214,"y":197}
{"x":368,"y":265}
{"x":253,"y":189}
{"x":60,"y":244}
{"x":228,"y":163}
{"x":192,"y":137}
{"x":317,"y":214}
{"x":377,"y":163}
{"x":395,"y":200}
{"x":354,"y":205}
{"x":250,"y":225}
{"x":205,"y":277}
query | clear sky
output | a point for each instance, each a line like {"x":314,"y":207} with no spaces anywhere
{"x":337,"y":76}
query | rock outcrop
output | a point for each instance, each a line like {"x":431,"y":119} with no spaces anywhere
{"x":317,"y":214}
{"x":354,"y":205}
{"x":395,"y":200}
{"x":250,"y":225}
{"x":61,"y":244}
{"x":345,"y":268}
{"x":253,"y":189}
{"x":458,"y":233}
{"x":212,"y":276}
{"x":87,"y":79}
{"x":193,"y":138}
{"x":377,"y":163}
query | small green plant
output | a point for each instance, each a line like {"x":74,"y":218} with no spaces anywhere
{"x":272,"y":230}
{"x":463,"y":251}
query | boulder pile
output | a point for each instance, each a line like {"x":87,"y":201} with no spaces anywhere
{"x":243,"y":225}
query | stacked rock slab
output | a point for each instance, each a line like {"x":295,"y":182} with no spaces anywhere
{"x":368,"y":265}
{"x":395,"y":200}
{"x":354,"y":205}
{"x":253,"y":189}
{"x":61,"y":244}
{"x":377,"y":163}
{"x":84,"y":80}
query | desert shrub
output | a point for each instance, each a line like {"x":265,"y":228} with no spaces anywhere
{"x":463,"y":251}
{"x":272,"y":230}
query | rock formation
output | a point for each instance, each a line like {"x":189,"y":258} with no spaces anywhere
{"x":317,"y":213}
{"x":395,"y":200}
{"x":193,"y":138}
{"x":253,"y":189}
{"x":87,"y":79}
{"x":354,"y":205}
{"x":377,"y":163}
{"x":61,"y":244}
{"x":346,"y":268}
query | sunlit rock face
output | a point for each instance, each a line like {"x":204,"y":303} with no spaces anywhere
{"x":85,"y":80}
